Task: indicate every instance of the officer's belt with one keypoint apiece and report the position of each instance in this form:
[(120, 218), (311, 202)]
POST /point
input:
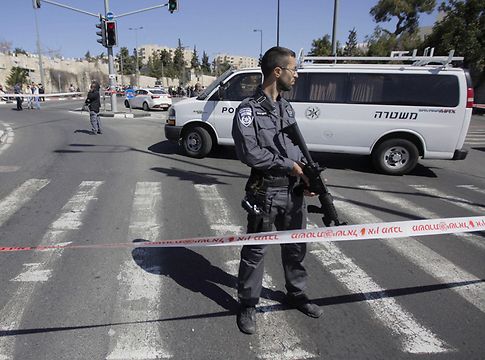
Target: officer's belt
[(276, 182)]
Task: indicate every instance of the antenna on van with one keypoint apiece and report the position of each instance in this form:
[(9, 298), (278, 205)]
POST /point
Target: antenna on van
[(301, 57), (310, 61)]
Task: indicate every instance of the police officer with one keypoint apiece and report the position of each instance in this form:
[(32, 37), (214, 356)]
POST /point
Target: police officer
[(276, 168)]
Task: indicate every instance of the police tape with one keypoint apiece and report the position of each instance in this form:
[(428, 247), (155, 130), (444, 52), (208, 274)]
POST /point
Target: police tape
[(376, 231), (64, 96)]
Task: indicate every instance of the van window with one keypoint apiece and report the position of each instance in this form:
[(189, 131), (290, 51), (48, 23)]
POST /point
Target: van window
[(242, 86), (297, 92), (328, 88), (404, 89)]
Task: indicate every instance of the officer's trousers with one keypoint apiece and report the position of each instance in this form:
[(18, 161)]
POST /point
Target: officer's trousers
[(287, 212)]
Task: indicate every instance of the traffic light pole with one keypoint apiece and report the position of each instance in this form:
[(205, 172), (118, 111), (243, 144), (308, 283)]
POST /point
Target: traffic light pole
[(111, 68)]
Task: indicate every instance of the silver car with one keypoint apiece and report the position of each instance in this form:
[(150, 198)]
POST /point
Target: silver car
[(149, 99)]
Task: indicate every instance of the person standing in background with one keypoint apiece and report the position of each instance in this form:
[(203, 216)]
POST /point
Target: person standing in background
[(93, 101)]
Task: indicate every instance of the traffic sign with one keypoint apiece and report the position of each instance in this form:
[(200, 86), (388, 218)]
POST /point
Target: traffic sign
[(130, 94), (110, 16)]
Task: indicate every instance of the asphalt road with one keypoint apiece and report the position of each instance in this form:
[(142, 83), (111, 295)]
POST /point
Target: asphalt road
[(402, 298)]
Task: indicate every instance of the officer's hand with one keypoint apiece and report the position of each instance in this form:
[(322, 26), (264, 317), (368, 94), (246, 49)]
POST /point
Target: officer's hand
[(298, 172)]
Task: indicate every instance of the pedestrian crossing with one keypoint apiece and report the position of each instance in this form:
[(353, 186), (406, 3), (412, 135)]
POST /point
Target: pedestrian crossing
[(137, 334), (475, 136)]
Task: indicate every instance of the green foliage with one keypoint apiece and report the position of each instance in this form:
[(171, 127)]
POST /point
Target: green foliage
[(194, 62), (406, 11), (463, 29), (351, 48), (17, 75), (205, 66), (382, 42), (178, 59), (321, 47)]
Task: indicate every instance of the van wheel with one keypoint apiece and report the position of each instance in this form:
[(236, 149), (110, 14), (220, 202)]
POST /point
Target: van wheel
[(395, 157), (145, 106), (127, 104), (197, 142)]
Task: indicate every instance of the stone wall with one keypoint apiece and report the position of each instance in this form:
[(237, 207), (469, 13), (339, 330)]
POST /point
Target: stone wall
[(60, 74)]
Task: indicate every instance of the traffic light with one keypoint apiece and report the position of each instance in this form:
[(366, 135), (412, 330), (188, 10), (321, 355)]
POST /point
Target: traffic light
[(111, 35), (173, 5), (101, 26)]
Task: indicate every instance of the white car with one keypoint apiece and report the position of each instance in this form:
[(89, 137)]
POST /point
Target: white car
[(149, 99)]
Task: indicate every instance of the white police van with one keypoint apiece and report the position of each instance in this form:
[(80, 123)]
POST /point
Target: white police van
[(395, 113)]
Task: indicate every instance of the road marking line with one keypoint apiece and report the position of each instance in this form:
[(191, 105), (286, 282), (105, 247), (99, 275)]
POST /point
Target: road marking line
[(19, 197), (141, 340), (12, 312), (429, 261), (414, 337), (465, 204), (274, 324), (216, 211), (418, 211)]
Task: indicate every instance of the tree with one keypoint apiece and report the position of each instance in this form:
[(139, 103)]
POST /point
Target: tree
[(462, 30), (206, 66), (194, 62), (406, 11), (321, 47), (382, 42), (5, 46), (351, 48), (20, 51), (17, 75), (178, 59)]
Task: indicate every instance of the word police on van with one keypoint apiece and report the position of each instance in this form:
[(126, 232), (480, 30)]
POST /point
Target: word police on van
[(396, 113)]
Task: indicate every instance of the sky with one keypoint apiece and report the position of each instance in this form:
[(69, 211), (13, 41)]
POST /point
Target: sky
[(211, 26)]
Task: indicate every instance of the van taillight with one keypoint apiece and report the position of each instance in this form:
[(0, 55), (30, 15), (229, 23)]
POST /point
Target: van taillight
[(469, 98)]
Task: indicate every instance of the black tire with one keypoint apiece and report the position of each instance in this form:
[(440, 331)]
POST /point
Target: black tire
[(395, 157), (127, 104), (145, 106), (197, 142)]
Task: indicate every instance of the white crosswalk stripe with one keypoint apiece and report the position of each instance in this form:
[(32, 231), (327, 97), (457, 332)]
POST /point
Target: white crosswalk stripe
[(463, 203), (414, 337), (428, 260), (19, 197), (69, 220), (273, 325), (475, 137), (419, 211), (139, 338), (137, 334)]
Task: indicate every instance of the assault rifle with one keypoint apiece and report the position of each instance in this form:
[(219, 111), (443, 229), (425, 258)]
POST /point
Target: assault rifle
[(317, 184)]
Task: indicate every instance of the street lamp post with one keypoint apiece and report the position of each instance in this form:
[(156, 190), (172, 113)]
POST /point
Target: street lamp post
[(261, 49), (136, 42), (334, 32)]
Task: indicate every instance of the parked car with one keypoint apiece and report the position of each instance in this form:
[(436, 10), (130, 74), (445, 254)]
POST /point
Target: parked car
[(149, 99)]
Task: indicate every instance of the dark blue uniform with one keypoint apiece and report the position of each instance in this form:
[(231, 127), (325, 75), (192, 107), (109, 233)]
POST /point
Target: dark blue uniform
[(261, 145)]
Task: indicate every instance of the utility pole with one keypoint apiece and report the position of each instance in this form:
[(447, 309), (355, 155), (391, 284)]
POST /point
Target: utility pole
[(334, 33), (41, 68), (136, 48), (278, 26)]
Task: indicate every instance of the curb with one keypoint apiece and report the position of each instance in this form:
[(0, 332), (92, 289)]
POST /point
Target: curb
[(124, 115)]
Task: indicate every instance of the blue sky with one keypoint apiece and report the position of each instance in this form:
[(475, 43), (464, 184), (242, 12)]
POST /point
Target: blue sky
[(213, 26)]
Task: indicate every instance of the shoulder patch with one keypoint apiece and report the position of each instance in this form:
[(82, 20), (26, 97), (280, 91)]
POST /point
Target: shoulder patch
[(245, 116)]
